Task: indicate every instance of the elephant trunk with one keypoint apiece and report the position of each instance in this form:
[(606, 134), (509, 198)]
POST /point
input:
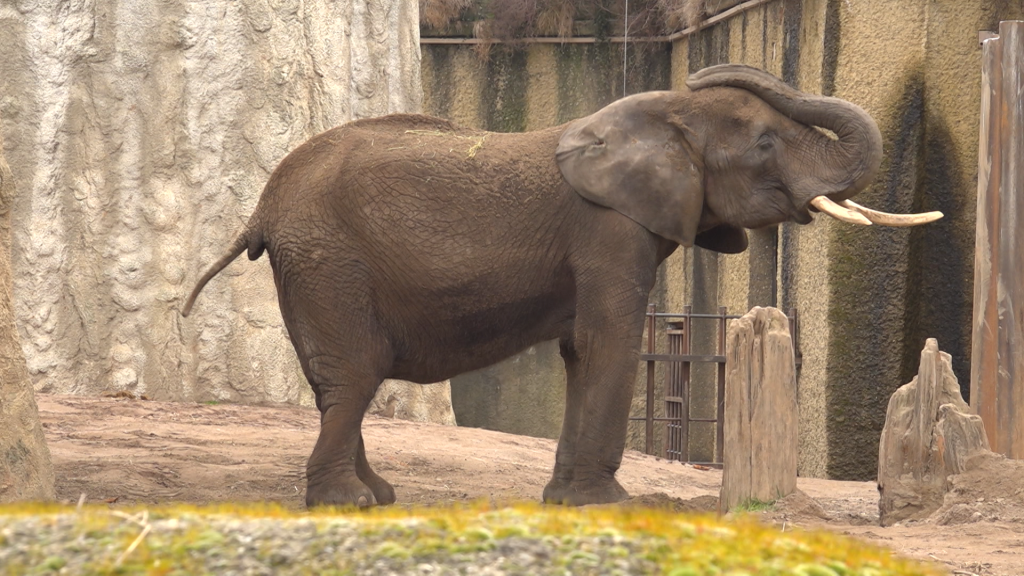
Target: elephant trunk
[(850, 162)]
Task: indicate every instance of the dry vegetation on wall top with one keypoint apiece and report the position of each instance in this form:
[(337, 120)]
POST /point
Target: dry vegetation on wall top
[(510, 19)]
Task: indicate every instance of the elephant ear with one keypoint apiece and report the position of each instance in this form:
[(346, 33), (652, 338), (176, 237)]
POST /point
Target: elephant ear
[(630, 161), (723, 238)]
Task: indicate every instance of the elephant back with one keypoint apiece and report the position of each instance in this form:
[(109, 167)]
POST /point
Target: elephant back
[(406, 173), (399, 122)]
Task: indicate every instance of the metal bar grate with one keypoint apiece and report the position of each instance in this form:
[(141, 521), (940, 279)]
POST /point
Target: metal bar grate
[(678, 382)]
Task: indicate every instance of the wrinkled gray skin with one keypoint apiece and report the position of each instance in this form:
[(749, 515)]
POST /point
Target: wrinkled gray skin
[(404, 247)]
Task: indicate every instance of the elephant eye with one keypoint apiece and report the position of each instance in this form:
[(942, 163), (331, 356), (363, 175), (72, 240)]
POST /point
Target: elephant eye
[(765, 142), (598, 142)]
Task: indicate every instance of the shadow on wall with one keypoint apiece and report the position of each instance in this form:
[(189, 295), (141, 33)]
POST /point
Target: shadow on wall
[(918, 287), (940, 301)]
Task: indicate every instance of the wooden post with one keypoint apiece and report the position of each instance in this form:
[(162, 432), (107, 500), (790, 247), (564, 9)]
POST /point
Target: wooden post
[(760, 410), (928, 436), (997, 356)]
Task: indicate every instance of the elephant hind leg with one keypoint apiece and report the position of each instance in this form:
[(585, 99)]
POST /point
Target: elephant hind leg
[(382, 490), (344, 355), (338, 473)]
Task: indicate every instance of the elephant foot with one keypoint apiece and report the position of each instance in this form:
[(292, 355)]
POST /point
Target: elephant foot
[(340, 491), (583, 493), (382, 490)]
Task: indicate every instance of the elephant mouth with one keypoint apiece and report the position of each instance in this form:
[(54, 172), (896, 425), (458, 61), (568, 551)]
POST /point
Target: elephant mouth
[(853, 213)]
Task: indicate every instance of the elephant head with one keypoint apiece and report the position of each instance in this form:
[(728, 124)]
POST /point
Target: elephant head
[(740, 149)]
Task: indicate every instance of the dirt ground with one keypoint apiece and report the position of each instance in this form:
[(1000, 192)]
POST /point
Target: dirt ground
[(124, 451)]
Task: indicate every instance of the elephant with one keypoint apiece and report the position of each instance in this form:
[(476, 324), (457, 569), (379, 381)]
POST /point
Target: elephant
[(407, 247)]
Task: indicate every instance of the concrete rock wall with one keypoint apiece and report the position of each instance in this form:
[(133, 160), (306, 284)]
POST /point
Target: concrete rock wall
[(26, 472), (415, 402), (141, 134)]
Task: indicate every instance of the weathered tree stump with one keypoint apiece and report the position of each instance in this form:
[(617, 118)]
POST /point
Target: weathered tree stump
[(25, 469), (929, 435), (760, 446)]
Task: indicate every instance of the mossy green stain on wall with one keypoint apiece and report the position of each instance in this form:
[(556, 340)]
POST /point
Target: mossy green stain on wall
[(708, 47), (440, 89), (830, 52), (578, 67), (791, 42), (524, 395), (940, 277), (869, 287), (591, 76), (894, 288), (648, 67), (504, 99)]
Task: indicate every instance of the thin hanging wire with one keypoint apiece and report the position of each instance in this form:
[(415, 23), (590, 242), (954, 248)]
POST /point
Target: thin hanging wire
[(625, 48)]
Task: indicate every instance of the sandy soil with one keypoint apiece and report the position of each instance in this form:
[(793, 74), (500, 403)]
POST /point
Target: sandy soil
[(125, 451)]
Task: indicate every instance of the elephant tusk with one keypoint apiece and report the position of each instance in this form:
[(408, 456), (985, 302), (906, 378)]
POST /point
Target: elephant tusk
[(887, 219), (838, 212)]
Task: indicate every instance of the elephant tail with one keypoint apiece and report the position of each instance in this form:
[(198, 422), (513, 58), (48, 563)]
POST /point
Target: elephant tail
[(240, 245)]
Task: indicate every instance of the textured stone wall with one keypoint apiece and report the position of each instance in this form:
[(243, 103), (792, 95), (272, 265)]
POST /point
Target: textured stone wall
[(26, 472), (141, 134)]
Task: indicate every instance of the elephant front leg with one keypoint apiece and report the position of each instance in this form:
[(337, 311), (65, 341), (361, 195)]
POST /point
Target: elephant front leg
[(601, 363)]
